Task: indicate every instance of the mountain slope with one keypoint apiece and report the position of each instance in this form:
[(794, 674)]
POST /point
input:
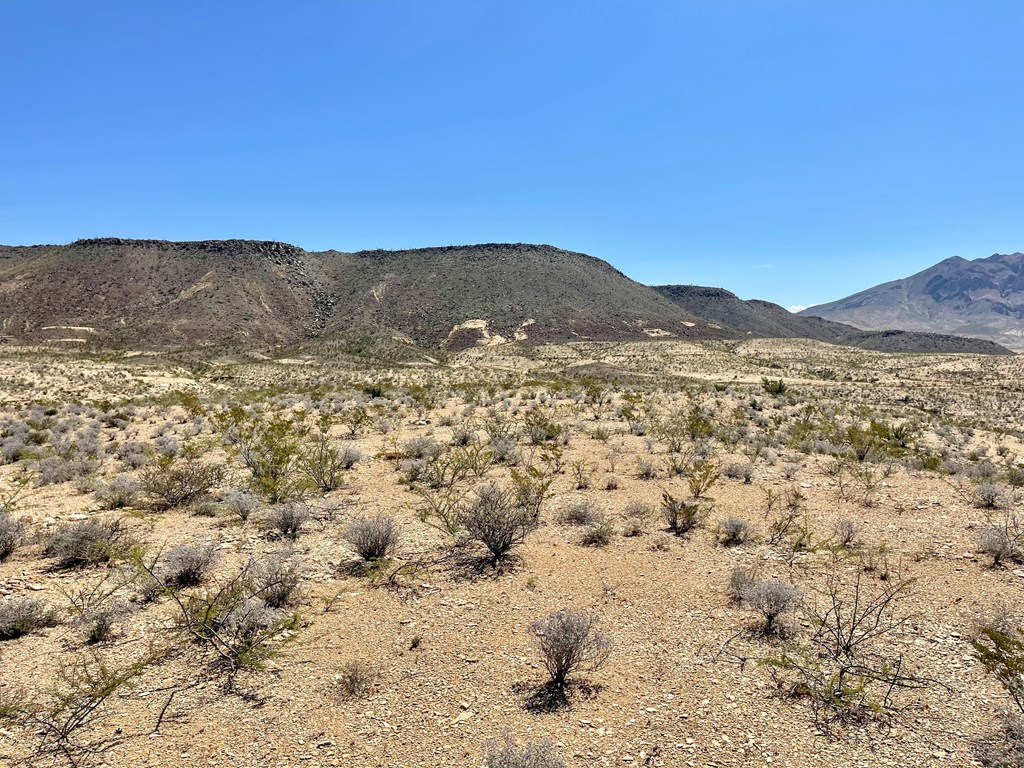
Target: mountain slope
[(983, 298), (461, 295), (753, 317), (150, 293)]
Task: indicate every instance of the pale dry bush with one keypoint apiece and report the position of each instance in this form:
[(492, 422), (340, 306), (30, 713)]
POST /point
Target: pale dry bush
[(570, 641), (373, 538)]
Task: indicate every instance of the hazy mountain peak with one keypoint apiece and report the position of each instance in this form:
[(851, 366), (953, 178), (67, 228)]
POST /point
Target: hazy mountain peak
[(983, 298)]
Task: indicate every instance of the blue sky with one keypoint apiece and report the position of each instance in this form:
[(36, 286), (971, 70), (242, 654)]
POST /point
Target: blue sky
[(793, 150)]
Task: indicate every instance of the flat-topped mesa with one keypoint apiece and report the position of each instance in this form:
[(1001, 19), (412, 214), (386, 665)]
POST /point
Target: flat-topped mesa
[(493, 252)]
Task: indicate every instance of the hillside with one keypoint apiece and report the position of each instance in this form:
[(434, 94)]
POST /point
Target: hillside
[(152, 293), (982, 298), (458, 296)]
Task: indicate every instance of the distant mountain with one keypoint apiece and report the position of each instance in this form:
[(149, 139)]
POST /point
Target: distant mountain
[(242, 294), (983, 298), (753, 317)]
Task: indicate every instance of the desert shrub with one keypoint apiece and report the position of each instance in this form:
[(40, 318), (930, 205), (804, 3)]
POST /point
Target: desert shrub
[(188, 565), (122, 491), (420, 448), (1000, 649), (1006, 748), (744, 472), (774, 387), (176, 482), (373, 538), (288, 519), (633, 526), (645, 469), (682, 515), (271, 449), (599, 533), (501, 428), (579, 512), (994, 542), (239, 627), (274, 580), (988, 496), (701, 474), (69, 703), (411, 469), (570, 641), (243, 631), (983, 470), (851, 667), (348, 457), (733, 531), (581, 472), (12, 534), (22, 615), (1015, 476), (540, 429), (504, 450), (846, 532), (86, 542), (463, 435), (241, 503), (54, 470), (98, 621), (1001, 652), (134, 453), (204, 508), (638, 509), (535, 754), (498, 519), (356, 679), (324, 464), (167, 446), (636, 516), (740, 580), (771, 598)]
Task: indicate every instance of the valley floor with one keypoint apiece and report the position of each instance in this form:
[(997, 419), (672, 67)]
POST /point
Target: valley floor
[(912, 456)]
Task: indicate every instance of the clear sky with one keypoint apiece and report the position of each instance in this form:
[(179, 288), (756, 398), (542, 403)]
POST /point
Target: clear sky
[(793, 150)]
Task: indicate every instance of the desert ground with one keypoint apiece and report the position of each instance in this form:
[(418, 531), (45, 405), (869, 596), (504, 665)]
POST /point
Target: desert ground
[(776, 553)]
